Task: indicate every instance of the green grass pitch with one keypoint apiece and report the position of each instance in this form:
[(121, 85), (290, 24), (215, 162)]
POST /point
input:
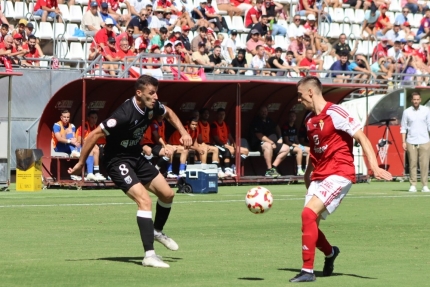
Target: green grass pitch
[(90, 238)]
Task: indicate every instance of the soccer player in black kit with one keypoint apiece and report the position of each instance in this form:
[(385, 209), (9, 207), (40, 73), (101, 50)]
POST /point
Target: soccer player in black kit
[(129, 170)]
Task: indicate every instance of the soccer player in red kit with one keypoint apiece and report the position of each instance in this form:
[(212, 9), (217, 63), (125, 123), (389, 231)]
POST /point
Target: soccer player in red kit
[(331, 131)]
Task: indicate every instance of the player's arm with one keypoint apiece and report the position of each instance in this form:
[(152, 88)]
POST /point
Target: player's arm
[(90, 142), (176, 123), (378, 172)]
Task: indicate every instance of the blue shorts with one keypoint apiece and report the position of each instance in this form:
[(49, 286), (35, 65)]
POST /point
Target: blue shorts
[(67, 148), (40, 12)]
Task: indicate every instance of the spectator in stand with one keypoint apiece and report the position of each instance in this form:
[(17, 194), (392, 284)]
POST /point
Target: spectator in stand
[(409, 49), (124, 50), (255, 41), (199, 14), (253, 15), (381, 49), (127, 34), (152, 60), (396, 57), (307, 7), (113, 11), (226, 5), (136, 6), (216, 19), (183, 54), (139, 22), (340, 67), (407, 29), (261, 27), (395, 34), (230, 46), (201, 58), (290, 134), (361, 65), (92, 162), (298, 47), (382, 68), (185, 30), (239, 62), (103, 34), (211, 38), (341, 46), (369, 24), (411, 5), (64, 136), (159, 39), (274, 11), (8, 53), (259, 62), (17, 42), (216, 61), (201, 37), (110, 54), (21, 29), (91, 21), (143, 39), (168, 50), (185, 17), (266, 137), (310, 27), (309, 62), (424, 29), (268, 47), (290, 61), (5, 30), (104, 14), (155, 22), (47, 8), (224, 141), (295, 28), (168, 21), (243, 5), (403, 17), (275, 62), (383, 23)]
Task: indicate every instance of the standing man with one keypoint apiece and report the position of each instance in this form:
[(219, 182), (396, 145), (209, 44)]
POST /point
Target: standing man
[(129, 170), (329, 177), (416, 123)]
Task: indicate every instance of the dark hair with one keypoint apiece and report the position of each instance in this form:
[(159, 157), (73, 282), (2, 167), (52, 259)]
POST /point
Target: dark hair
[(203, 110), (193, 119), (31, 36), (220, 110), (5, 26), (290, 53), (415, 94), (258, 47), (163, 30), (217, 46), (144, 81), (311, 80), (65, 112), (203, 29), (130, 27), (343, 53), (264, 16), (241, 51), (278, 49), (149, 5), (91, 112), (259, 1), (269, 38), (146, 31)]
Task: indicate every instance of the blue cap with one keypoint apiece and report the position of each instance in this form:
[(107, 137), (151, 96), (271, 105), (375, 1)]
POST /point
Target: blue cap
[(105, 5), (94, 4), (403, 40)]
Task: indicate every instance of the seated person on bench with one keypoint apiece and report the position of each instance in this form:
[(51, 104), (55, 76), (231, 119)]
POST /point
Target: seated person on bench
[(93, 170), (64, 136), (261, 130), (290, 134), (224, 142)]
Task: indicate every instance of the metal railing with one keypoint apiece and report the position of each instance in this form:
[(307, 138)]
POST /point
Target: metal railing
[(28, 130)]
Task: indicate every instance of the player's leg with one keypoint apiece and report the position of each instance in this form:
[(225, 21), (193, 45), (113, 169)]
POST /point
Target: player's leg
[(281, 152), (165, 156), (90, 164), (165, 195), (267, 150), (413, 158), (97, 174), (299, 156), (424, 165), (228, 155)]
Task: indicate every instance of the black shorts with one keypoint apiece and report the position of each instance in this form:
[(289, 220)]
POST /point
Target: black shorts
[(155, 148), (126, 172)]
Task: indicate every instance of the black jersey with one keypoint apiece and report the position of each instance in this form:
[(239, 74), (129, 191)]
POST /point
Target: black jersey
[(266, 127), (290, 132), (125, 127)]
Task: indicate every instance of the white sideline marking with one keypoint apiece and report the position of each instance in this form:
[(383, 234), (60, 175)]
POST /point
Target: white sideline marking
[(199, 201)]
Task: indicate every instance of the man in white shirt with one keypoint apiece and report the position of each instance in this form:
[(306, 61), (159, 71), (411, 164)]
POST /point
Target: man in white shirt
[(395, 34), (259, 62), (415, 129), (396, 56), (91, 21), (295, 28), (138, 5), (229, 48)]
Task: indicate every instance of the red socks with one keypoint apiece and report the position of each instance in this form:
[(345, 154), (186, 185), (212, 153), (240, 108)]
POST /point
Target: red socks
[(323, 245), (309, 237)]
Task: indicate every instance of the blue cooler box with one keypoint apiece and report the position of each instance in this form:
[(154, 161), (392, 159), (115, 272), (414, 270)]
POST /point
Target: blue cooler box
[(203, 178)]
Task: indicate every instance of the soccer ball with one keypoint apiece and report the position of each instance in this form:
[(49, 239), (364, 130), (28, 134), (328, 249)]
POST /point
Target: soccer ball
[(259, 200)]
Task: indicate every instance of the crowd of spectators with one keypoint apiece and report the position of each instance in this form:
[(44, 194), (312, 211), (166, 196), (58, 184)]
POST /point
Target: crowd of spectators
[(163, 26)]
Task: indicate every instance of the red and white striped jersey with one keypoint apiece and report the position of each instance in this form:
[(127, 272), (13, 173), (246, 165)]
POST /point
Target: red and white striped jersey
[(330, 141)]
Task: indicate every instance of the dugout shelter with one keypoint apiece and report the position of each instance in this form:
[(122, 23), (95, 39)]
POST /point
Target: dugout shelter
[(241, 100)]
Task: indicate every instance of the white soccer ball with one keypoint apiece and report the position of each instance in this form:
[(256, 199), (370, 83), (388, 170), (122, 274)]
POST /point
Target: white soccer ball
[(259, 200)]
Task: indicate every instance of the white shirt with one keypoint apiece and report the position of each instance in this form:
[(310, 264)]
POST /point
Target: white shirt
[(391, 35), (258, 63), (293, 30), (139, 4), (228, 43), (416, 122), (396, 55), (154, 22)]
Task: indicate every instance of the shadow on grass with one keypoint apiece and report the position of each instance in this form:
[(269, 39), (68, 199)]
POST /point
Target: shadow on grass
[(320, 274), (133, 260), (251, 278)]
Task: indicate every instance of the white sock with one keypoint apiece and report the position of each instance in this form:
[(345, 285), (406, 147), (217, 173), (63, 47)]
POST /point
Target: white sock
[(308, 270), (299, 167), (149, 253)]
